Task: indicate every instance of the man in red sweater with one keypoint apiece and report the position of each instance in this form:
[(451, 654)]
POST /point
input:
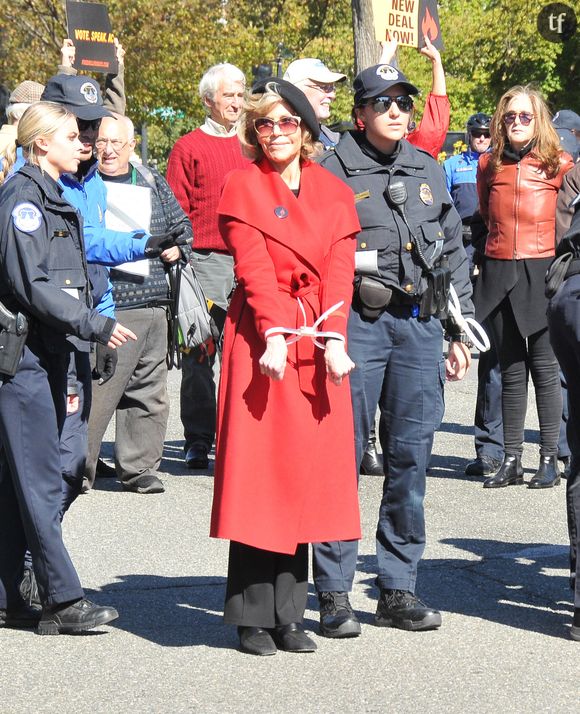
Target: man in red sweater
[(197, 167)]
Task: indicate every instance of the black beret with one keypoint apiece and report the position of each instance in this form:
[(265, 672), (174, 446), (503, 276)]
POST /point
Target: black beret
[(295, 98)]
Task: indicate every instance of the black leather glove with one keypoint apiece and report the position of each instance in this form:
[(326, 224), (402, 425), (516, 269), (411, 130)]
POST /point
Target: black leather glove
[(160, 242), (106, 363)]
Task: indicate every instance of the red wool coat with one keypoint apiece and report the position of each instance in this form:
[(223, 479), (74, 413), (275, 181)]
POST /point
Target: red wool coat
[(285, 467)]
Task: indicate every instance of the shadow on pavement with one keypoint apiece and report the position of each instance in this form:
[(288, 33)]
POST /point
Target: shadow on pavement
[(171, 612), (513, 584)]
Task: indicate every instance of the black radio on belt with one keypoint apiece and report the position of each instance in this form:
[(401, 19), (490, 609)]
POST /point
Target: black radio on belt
[(13, 333)]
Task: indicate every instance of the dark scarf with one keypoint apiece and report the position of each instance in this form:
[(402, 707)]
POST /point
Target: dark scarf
[(510, 153)]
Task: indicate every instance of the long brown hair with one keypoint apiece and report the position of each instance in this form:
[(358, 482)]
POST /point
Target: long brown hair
[(546, 141)]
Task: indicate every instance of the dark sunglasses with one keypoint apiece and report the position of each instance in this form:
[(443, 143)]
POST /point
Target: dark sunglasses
[(383, 104), (524, 117), (478, 133), (85, 124), (264, 126)]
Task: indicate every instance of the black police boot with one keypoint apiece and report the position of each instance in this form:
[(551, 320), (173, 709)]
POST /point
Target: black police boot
[(372, 463), (510, 473), (482, 466), (20, 617), (197, 457), (337, 618), (404, 610), (71, 618), (547, 474)]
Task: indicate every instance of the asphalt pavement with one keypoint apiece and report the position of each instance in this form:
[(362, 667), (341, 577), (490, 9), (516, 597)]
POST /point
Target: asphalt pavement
[(495, 565)]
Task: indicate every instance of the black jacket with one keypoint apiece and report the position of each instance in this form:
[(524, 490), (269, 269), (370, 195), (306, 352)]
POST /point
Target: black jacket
[(383, 246), (43, 271)]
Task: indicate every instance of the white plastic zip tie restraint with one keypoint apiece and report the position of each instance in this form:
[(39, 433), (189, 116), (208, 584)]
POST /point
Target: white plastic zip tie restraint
[(471, 327), (305, 330)]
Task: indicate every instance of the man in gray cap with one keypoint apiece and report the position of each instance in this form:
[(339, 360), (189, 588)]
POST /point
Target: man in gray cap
[(318, 83)]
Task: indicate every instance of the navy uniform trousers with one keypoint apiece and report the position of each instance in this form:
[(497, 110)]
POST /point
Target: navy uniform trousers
[(564, 325), (32, 410), (400, 368)]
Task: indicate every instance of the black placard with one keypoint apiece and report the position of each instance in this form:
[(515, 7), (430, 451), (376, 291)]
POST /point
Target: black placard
[(89, 28)]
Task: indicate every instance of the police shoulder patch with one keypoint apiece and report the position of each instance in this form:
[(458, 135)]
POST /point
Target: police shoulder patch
[(27, 217)]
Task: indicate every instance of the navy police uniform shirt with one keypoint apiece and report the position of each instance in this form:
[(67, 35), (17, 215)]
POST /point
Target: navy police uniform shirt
[(384, 247), (43, 271)]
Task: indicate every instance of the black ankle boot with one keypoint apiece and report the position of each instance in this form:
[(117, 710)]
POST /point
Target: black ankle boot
[(510, 473), (547, 474)]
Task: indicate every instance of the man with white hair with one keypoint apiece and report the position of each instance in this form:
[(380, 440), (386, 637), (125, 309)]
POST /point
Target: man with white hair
[(197, 167), (137, 388)]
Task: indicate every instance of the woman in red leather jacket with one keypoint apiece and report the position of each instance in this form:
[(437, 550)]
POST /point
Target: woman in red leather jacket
[(518, 184)]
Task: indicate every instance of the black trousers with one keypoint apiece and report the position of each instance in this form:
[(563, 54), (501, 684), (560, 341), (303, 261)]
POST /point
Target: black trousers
[(265, 589), (518, 357), (564, 322)]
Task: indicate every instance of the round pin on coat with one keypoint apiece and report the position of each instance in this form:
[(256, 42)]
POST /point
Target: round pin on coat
[(281, 212)]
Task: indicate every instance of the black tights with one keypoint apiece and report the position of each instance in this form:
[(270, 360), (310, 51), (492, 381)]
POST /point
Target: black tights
[(518, 357)]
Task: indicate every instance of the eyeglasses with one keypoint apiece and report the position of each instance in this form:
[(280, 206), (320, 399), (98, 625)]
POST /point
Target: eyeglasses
[(116, 144), (478, 133), (381, 105), (324, 88), (85, 124), (264, 126), (524, 117)]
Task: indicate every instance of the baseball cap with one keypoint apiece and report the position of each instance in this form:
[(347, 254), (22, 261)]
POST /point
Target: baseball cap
[(375, 80), (310, 68), (81, 95), (26, 92), (566, 119)]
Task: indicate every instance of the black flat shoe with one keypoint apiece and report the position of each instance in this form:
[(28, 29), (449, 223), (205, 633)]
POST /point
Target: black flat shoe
[(547, 474), (256, 641), (510, 473), (293, 638)]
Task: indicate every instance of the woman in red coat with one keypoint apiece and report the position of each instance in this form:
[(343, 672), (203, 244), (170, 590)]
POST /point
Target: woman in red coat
[(285, 466)]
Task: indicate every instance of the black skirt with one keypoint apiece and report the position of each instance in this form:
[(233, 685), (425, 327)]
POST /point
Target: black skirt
[(522, 282)]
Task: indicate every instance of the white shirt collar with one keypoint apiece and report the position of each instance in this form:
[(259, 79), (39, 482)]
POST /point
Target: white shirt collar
[(214, 128)]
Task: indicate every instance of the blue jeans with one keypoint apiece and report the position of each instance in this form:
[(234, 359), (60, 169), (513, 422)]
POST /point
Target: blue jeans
[(400, 368)]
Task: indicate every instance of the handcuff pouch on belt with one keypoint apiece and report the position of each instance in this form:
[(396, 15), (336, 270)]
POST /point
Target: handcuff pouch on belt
[(373, 296), (13, 333), (436, 296)]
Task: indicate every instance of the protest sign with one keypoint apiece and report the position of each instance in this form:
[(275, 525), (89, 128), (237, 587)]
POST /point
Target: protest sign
[(408, 21), (89, 28)]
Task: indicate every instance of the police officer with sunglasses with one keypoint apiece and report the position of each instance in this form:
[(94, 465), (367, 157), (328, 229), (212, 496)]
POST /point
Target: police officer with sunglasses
[(409, 248)]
